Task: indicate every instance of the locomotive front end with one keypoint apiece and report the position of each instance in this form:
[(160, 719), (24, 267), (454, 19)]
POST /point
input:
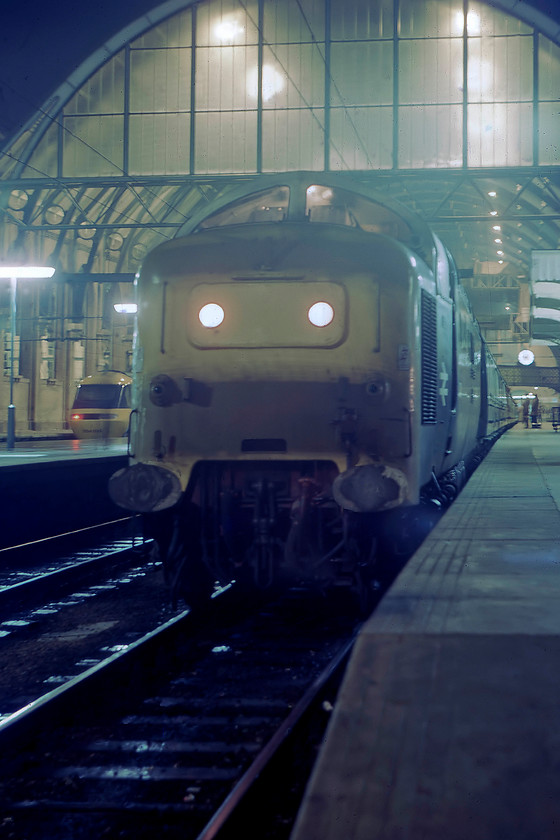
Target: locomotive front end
[(272, 367)]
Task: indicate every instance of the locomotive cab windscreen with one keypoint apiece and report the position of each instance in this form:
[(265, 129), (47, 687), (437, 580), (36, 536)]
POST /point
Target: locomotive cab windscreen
[(302, 201), (263, 206), (102, 395)]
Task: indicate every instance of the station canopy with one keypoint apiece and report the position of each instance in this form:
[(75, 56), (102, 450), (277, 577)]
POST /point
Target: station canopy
[(450, 107)]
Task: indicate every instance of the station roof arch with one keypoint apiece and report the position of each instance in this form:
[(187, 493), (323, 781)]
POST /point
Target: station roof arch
[(450, 106)]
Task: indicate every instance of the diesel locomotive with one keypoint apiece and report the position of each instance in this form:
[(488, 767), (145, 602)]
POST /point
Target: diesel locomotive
[(309, 382)]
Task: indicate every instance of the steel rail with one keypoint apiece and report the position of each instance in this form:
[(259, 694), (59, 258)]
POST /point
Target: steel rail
[(48, 583), (284, 732), (82, 690)]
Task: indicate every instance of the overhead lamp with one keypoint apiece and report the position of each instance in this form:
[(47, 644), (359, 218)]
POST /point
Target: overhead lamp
[(492, 193), (227, 31), (26, 272), (498, 241), (473, 23), (496, 227), (126, 308), (500, 253), (493, 212), (526, 357), (15, 273), (272, 82)]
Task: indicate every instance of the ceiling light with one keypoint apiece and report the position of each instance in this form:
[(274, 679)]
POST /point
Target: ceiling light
[(500, 253), (496, 227), (493, 212), (125, 308), (272, 82), (498, 241), (473, 23), (492, 193), (228, 31), (26, 272), (526, 357)]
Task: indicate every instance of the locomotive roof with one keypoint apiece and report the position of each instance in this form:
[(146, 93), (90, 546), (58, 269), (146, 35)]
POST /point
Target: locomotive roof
[(112, 377), (335, 198)]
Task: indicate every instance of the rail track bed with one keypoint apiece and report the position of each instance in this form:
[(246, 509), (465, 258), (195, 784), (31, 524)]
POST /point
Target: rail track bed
[(70, 606), (154, 742)]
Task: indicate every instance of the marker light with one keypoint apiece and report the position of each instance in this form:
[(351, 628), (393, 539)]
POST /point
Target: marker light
[(320, 314), (211, 315)]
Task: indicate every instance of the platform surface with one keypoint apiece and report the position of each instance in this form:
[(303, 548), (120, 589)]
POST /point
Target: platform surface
[(447, 725), (39, 451)]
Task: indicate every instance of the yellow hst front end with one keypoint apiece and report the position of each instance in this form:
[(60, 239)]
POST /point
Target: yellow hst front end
[(101, 407)]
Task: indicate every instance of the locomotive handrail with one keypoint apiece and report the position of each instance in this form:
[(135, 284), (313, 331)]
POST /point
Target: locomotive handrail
[(128, 434), (410, 436)]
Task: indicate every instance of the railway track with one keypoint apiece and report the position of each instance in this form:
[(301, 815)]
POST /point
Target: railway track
[(172, 737), (66, 603), (38, 570)]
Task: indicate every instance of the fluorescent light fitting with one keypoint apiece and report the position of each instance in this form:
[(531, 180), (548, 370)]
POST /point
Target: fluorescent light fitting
[(23, 272), (125, 308)]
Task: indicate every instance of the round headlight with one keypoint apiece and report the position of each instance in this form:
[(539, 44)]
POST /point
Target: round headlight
[(211, 315), (320, 314)]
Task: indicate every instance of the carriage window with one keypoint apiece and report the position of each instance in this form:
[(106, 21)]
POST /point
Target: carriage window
[(266, 206)]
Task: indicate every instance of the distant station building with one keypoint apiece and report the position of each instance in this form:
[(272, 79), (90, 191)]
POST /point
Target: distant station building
[(450, 106)]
